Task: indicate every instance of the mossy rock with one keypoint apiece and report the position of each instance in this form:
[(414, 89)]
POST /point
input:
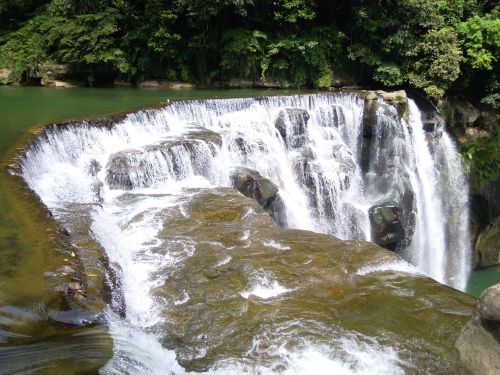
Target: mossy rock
[(331, 290)]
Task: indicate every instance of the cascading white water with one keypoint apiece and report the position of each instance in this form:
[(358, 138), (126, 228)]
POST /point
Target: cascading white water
[(317, 167), (429, 245), (311, 146)]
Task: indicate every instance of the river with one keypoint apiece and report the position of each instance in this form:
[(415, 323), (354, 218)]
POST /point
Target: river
[(24, 248)]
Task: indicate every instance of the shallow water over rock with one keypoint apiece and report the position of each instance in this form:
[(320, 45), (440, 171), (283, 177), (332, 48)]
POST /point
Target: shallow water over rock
[(250, 288), (201, 276)]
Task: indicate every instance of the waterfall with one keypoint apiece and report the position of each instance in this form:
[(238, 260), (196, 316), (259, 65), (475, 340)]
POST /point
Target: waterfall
[(311, 146), (331, 177)]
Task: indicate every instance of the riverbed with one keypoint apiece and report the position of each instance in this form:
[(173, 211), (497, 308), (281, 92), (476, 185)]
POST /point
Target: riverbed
[(23, 245)]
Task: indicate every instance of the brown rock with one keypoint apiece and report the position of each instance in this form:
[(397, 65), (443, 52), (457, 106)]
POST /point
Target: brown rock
[(479, 342)]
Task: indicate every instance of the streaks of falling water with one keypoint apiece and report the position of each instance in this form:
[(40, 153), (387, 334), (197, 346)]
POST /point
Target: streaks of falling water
[(318, 171), (313, 154)]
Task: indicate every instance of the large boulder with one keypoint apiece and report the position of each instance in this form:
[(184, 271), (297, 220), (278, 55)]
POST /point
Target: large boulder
[(393, 222), (292, 125), (460, 114), (58, 75), (252, 184), (487, 247), (479, 342), (399, 100), (247, 281), (169, 159), (386, 226)]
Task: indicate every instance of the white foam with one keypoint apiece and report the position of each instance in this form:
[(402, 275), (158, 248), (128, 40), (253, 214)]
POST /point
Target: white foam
[(129, 223), (399, 266), (183, 300), (263, 286), (275, 245)]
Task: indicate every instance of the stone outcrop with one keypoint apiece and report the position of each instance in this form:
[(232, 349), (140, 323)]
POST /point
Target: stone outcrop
[(58, 75), (398, 99), (471, 125), (165, 84), (393, 222), (59, 84), (328, 287), (387, 228), (168, 159), (460, 113), (479, 342), (252, 184), (5, 75)]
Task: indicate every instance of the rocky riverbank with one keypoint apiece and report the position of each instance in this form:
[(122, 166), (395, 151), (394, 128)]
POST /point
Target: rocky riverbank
[(326, 280)]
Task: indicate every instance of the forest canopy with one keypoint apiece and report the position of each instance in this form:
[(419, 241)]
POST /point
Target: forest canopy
[(435, 46)]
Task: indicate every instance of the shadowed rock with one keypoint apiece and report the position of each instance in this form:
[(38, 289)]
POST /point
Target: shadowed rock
[(487, 249), (252, 184), (77, 316), (393, 222)]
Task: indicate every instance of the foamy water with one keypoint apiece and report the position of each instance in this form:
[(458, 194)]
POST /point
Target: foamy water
[(321, 183)]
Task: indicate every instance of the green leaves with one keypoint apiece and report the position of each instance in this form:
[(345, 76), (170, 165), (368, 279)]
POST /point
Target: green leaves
[(388, 74), (481, 37), (438, 64), (242, 52), (303, 60), (482, 157), (293, 11), (432, 45)]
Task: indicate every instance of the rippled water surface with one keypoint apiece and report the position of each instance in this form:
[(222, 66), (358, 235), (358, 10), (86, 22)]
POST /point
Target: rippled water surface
[(25, 249)]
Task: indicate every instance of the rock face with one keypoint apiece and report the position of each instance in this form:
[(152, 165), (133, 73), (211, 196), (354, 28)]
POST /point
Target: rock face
[(57, 75), (473, 126), (249, 281), (460, 113), (387, 229), (161, 83), (393, 222), (487, 248), (291, 124), (479, 342), (252, 184), (170, 159)]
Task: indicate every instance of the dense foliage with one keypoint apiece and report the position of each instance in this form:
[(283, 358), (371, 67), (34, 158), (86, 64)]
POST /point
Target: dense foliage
[(436, 46), (482, 156)]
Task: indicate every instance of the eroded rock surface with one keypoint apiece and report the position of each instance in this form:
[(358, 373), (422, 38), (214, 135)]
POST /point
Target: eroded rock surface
[(169, 159), (398, 99), (479, 342), (252, 184), (238, 280), (487, 249)]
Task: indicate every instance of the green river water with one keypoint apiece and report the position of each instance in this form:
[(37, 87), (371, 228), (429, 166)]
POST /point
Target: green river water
[(24, 254), (27, 248)]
